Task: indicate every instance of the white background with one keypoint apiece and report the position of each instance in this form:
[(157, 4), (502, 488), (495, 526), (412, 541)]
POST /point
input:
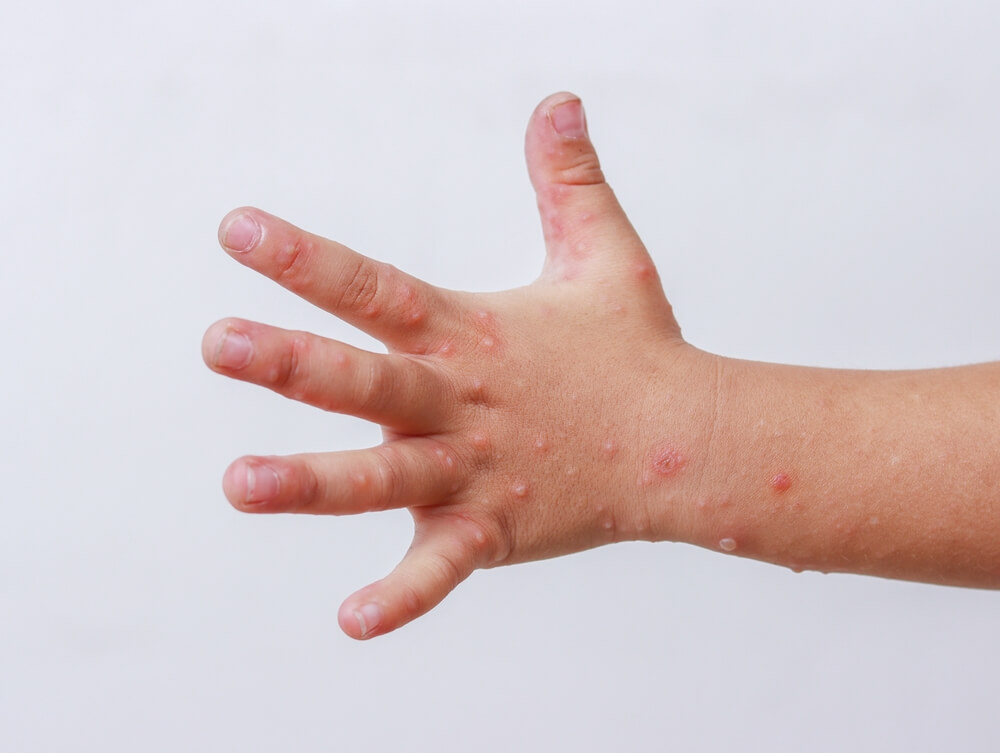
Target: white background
[(818, 183)]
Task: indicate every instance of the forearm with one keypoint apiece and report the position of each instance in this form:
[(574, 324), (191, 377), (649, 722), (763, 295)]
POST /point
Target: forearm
[(886, 473)]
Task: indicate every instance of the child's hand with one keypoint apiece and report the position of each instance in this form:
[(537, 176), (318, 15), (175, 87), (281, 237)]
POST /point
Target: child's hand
[(518, 425), (571, 413)]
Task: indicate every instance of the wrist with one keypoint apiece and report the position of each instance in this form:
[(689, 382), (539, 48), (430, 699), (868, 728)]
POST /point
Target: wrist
[(679, 436)]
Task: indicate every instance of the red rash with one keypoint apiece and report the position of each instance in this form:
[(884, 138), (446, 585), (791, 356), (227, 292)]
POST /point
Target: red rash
[(667, 461), (781, 482)]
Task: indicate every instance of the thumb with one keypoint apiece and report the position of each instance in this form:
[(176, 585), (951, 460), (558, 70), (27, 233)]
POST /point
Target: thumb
[(583, 224)]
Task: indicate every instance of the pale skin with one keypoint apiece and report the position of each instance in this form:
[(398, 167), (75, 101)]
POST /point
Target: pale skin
[(571, 413)]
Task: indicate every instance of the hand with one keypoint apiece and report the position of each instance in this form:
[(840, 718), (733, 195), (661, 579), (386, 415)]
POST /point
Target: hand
[(518, 425)]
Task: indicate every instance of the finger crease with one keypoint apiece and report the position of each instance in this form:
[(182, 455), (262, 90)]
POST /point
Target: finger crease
[(362, 288), (292, 259)]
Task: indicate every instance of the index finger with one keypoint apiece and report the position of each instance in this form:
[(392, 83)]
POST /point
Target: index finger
[(400, 310)]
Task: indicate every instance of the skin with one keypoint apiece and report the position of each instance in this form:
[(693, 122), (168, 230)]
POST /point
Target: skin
[(571, 413)]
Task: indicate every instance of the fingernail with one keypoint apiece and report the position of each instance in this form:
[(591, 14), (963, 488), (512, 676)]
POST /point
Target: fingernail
[(369, 617), (569, 120), (262, 483), (241, 234), (234, 350)]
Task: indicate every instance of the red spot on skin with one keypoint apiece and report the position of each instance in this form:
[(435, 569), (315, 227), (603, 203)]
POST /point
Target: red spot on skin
[(541, 445), (644, 271), (557, 193), (781, 482), (413, 311), (665, 461), (556, 229), (360, 481), (480, 441), (610, 448)]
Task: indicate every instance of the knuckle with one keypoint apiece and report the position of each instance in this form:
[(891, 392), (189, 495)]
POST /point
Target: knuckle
[(360, 288), (415, 602), (445, 569), (389, 477), (411, 304), (449, 465), (486, 541), (311, 488), (287, 376), (581, 168), (378, 386)]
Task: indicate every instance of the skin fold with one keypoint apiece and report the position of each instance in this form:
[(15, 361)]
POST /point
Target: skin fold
[(571, 413)]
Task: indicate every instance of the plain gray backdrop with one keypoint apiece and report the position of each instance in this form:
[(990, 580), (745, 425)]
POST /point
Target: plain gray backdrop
[(818, 184)]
